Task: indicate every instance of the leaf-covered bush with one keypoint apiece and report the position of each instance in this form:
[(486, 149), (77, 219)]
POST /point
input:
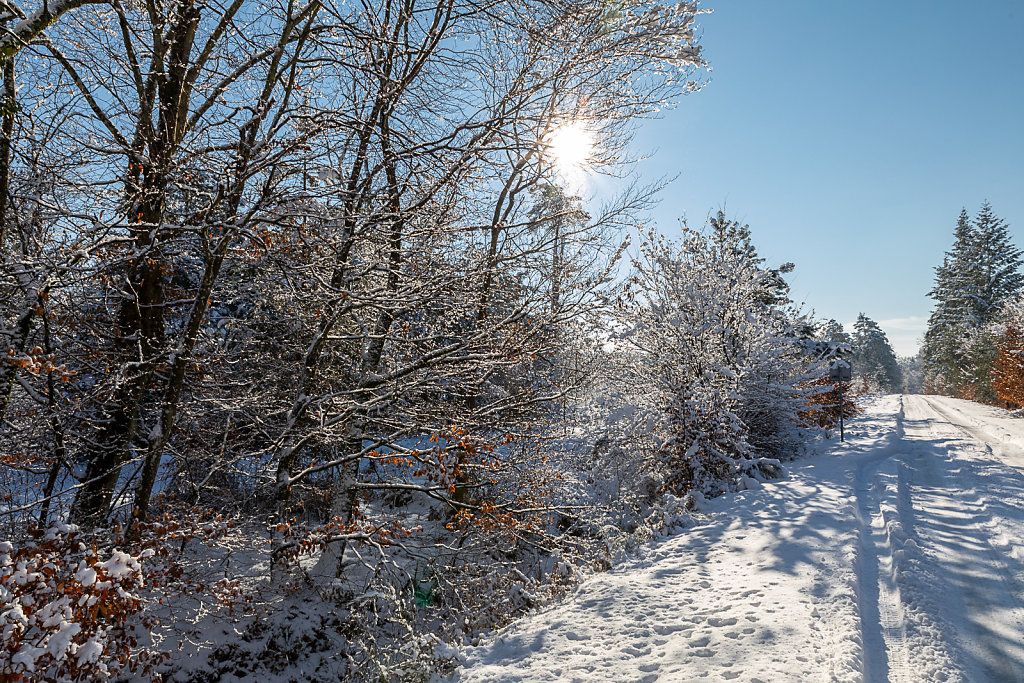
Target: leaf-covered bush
[(66, 610)]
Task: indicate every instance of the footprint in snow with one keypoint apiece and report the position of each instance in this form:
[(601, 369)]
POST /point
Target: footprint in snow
[(722, 621)]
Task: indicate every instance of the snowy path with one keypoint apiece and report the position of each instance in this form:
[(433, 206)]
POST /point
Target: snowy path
[(896, 556)]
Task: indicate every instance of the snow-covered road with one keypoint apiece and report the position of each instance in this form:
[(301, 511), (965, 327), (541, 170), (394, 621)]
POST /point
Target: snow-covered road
[(898, 556)]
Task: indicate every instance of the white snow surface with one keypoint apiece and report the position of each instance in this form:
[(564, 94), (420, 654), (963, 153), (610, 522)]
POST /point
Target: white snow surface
[(896, 556)]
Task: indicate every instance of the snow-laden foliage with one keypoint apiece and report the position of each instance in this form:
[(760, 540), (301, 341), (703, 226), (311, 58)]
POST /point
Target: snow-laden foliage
[(66, 610), (714, 358)]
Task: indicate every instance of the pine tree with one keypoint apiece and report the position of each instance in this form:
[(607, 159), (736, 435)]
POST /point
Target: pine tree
[(953, 281), (717, 358), (833, 331), (733, 241), (978, 275), (874, 360), (998, 277)]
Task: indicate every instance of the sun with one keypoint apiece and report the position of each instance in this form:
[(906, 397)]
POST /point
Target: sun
[(571, 147)]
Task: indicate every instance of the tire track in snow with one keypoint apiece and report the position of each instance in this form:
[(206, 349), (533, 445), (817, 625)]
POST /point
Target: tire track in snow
[(1005, 446), (882, 621), (979, 594), (904, 635)]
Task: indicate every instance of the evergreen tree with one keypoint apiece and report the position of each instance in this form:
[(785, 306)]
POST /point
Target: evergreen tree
[(558, 218), (874, 360), (997, 275), (833, 331), (732, 239), (979, 274), (998, 279), (943, 353)]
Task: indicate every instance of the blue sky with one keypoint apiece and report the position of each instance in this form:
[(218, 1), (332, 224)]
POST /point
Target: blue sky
[(849, 135)]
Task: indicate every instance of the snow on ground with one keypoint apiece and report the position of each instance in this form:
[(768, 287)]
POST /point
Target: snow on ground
[(895, 556)]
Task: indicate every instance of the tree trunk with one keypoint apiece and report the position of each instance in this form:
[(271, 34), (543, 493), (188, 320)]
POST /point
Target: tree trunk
[(59, 449), (140, 338), (176, 383), (10, 106)]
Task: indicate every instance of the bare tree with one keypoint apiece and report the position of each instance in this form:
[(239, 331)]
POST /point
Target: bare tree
[(308, 262)]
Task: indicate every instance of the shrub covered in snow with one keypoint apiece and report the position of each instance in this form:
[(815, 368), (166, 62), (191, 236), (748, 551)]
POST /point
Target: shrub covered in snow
[(709, 346), (66, 610)]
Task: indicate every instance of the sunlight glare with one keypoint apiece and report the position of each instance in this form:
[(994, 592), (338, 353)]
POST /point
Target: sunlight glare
[(571, 146)]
